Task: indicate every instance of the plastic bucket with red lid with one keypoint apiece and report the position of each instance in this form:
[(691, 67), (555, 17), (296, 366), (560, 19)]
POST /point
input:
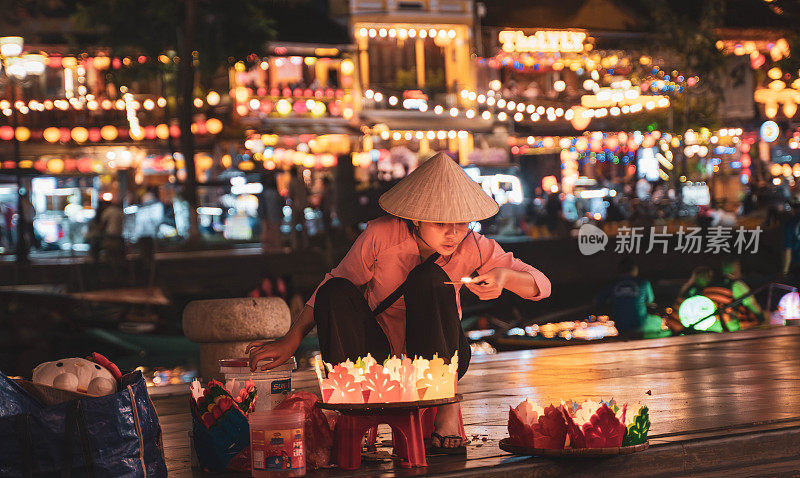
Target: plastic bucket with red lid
[(273, 385)]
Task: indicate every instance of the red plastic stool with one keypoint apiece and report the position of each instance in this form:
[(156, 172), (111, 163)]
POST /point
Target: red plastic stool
[(428, 417), (406, 422)]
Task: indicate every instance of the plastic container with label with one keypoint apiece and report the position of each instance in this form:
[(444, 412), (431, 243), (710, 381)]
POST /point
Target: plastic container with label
[(277, 444), (272, 385)]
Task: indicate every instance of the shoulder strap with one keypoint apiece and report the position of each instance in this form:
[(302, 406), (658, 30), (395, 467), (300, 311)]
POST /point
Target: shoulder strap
[(392, 298)]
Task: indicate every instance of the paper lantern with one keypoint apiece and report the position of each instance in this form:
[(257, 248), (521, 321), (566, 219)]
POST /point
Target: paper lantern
[(380, 387), (771, 110), (397, 380), (530, 425), (175, 131), (51, 135), (247, 166), (214, 126), (109, 133), (695, 308), (80, 134), (26, 164), (55, 166), (580, 121), (150, 132), (637, 425), (203, 161), (788, 308), (136, 134), (595, 425), (22, 133), (212, 98), (267, 106), (283, 106), (162, 131), (94, 135), (102, 62), (347, 67), (300, 107), (85, 165)]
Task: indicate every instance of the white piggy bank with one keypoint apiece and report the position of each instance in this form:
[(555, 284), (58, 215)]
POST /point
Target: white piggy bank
[(76, 375)]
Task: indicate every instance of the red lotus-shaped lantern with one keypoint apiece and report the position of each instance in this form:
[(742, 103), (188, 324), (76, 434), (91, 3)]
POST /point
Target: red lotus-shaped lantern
[(530, 425), (595, 425)]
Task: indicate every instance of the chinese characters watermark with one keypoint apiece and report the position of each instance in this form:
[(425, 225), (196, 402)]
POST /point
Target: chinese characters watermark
[(687, 240)]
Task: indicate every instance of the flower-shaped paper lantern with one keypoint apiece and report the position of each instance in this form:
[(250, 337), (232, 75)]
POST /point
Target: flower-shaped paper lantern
[(530, 425), (636, 426), (406, 380), (365, 363), (392, 366), (437, 382), (343, 387), (380, 386), (595, 425)]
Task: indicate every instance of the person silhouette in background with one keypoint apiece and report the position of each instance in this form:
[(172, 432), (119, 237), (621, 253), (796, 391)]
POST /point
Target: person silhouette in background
[(629, 297), (298, 195)]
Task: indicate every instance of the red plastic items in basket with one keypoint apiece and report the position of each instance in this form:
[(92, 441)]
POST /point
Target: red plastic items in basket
[(316, 430)]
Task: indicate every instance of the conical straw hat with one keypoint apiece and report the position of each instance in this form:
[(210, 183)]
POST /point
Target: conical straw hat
[(438, 191)]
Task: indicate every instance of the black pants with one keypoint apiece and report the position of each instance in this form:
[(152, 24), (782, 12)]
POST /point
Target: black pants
[(348, 329)]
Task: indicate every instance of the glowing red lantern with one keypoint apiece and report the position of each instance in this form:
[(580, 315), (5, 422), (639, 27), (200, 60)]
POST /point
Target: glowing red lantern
[(85, 165), (94, 135), (6, 133)]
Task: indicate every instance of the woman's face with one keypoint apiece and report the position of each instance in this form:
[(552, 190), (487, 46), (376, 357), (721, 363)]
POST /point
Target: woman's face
[(443, 237)]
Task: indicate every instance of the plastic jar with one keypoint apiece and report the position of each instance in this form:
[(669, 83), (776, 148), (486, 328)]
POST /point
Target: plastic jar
[(277, 444), (272, 385)]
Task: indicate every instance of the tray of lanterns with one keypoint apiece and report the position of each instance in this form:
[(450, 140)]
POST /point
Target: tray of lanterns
[(398, 383), (577, 429)]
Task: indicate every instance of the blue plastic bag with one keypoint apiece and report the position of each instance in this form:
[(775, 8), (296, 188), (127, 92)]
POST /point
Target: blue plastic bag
[(113, 435), (218, 445)]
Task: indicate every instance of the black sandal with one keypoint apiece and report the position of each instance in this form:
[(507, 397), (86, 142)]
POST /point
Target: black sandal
[(442, 450)]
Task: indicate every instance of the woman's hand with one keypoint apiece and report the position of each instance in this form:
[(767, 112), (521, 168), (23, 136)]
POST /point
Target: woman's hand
[(490, 284), (277, 352)]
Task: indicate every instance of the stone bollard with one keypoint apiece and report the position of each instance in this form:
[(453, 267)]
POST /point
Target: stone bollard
[(224, 327)]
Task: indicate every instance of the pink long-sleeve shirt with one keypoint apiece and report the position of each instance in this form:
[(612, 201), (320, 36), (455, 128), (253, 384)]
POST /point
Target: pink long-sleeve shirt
[(385, 253)]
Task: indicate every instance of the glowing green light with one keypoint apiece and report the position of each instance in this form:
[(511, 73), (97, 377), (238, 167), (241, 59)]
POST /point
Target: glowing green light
[(695, 308)]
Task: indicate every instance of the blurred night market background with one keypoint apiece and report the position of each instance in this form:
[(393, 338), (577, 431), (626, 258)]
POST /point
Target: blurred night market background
[(156, 153)]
